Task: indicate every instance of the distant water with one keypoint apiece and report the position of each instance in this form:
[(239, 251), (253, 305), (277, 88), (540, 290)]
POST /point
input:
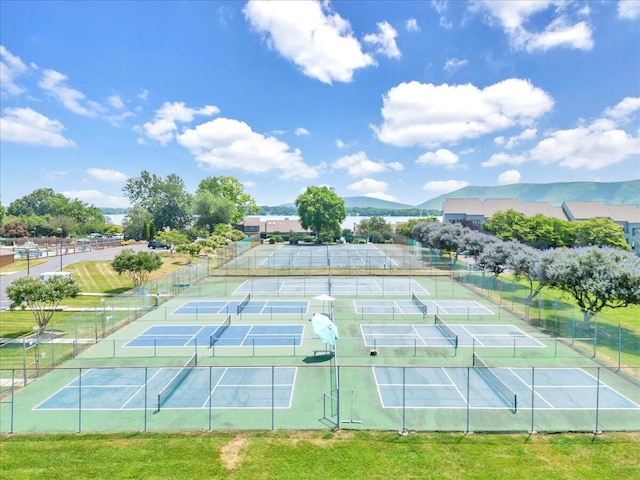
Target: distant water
[(349, 222)]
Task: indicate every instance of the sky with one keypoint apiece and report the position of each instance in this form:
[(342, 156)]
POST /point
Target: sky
[(397, 100)]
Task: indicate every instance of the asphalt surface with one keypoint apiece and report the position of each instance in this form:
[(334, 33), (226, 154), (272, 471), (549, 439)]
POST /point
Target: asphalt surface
[(53, 264)]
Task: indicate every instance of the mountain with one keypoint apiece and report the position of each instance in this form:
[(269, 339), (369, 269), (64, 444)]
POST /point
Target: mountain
[(613, 193), (369, 202)]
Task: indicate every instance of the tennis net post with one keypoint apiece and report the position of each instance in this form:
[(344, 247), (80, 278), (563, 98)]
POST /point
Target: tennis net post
[(446, 331)]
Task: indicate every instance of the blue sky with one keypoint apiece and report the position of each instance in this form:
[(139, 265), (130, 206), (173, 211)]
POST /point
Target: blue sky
[(397, 100)]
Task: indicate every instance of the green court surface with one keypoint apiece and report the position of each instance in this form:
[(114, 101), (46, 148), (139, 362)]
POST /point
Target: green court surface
[(239, 352)]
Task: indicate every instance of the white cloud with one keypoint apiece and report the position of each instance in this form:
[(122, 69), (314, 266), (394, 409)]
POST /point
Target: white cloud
[(144, 94), (439, 187), (441, 7), (99, 199), (526, 134), (11, 67), (499, 140), (310, 35), (440, 158), (301, 132), (225, 143), (115, 101), (629, 9), (509, 177), (418, 114), (249, 183), (359, 165), (593, 146), (24, 125), (369, 187), (504, 158), (106, 175), (517, 17), (164, 124), (340, 144), (625, 109), (385, 39), (454, 64), (412, 25), (53, 83)]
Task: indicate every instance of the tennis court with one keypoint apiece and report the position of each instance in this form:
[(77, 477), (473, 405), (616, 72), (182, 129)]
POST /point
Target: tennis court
[(157, 388), (421, 335), (412, 307), (342, 286), (337, 256), (496, 388), (264, 307), (227, 335)]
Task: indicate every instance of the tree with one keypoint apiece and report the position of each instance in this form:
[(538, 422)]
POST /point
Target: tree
[(603, 232), (190, 251), (321, 210), (14, 229), (530, 263), (172, 238), (495, 256), (137, 266), (166, 199), (41, 297), (406, 229), (211, 210), (375, 229), (136, 223), (3, 213), (596, 277), (230, 189)]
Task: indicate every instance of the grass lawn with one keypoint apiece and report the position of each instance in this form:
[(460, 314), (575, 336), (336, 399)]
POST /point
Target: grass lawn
[(341, 455), (96, 278)]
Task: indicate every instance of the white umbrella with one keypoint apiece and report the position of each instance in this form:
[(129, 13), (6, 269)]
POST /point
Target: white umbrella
[(324, 298), (324, 328)]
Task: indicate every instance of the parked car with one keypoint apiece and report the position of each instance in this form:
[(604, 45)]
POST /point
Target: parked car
[(153, 244)]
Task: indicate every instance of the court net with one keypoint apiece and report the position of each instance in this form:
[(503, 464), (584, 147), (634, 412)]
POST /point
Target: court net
[(507, 395), (419, 303), (176, 381), (215, 336), (243, 304), (446, 331)]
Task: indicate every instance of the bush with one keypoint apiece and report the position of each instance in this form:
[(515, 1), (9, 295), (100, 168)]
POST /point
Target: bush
[(309, 238)]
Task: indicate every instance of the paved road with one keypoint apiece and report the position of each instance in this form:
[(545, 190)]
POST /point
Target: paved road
[(53, 264)]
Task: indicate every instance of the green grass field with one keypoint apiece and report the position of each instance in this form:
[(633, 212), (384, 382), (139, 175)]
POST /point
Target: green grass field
[(298, 455)]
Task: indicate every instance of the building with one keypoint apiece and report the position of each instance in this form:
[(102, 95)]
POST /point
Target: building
[(627, 216), (478, 211), (257, 228)]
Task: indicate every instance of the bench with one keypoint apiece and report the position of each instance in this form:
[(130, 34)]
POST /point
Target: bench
[(323, 351)]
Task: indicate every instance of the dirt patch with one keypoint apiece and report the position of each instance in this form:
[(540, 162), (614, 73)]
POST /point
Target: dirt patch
[(231, 452)]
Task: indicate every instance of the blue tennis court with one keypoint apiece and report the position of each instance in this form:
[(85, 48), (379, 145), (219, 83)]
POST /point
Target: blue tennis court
[(409, 307), (421, 335), (555, 388), (267, 307), (232, 335), (137, 388)]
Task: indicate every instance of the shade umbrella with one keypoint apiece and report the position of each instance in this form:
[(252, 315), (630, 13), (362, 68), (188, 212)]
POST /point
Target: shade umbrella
[(324, 328), (326, 298)]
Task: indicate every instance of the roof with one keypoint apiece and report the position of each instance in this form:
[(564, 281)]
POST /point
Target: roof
[(487, 208), (618, 213)]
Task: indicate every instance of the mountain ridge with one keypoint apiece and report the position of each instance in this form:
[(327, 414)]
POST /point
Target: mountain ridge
[(609, 193)]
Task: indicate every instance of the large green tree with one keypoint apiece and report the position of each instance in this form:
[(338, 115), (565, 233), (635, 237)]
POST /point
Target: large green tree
[(211, 210), (166, 199), (41, 297), (136, 223), (603, 232), (375, 229), (321, 210), (232, 190), (137, 266)]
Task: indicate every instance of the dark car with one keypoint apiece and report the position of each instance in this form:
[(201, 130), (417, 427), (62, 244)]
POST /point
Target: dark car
[(153, 244)]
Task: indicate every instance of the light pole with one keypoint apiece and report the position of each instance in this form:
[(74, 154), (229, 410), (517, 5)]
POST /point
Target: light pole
[(59, 230)]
